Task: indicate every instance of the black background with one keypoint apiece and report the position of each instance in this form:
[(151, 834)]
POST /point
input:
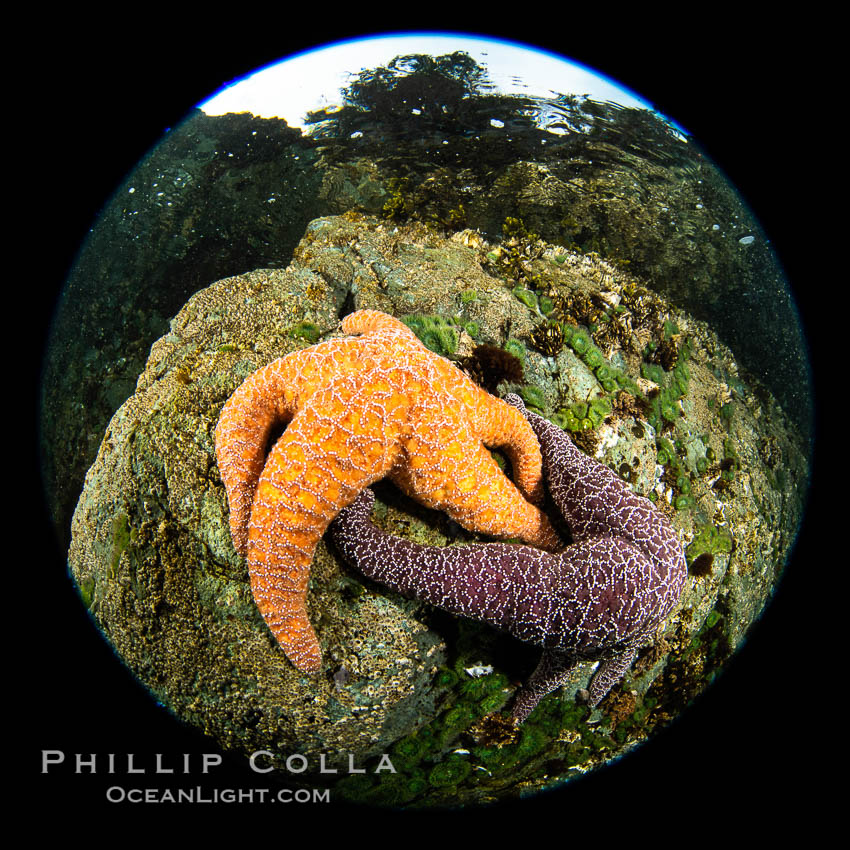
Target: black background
[(744, 753)]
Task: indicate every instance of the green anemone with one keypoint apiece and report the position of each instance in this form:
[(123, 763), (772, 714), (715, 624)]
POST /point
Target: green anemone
[(579, 341), (449, 772)]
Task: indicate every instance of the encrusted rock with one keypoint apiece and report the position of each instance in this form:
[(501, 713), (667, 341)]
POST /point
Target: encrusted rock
[(151, 549)]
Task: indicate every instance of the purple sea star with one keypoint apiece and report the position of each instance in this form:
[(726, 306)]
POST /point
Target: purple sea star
[(600, 598)]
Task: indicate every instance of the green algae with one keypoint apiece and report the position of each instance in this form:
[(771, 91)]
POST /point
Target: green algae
[(709, 540), (86, 587), (308, 331), (123, 535)]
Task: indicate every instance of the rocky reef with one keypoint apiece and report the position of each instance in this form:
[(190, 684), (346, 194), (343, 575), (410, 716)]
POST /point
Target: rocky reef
[(643, 387)]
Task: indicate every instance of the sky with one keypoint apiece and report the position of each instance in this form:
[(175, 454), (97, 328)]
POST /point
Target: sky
[(310, 81)]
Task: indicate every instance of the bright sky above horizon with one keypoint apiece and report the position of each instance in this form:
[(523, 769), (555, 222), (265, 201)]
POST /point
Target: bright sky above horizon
[(313, 80)]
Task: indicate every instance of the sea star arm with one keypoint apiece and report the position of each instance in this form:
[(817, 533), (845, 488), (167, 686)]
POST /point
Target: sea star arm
[(331, 450), (500, 426), (551, 672), (595, 501), (600, 597), (493, 583), (444, 466), (495, 423), (268, 399), (554, 670), (587, 601), (263, 400), (379, 403), (609, 672), (373, 321)]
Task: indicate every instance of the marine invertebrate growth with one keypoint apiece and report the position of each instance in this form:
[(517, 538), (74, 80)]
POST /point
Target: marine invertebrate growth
[(600, 598), (358, 409)]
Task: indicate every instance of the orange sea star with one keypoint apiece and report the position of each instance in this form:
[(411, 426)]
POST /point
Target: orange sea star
[(361, 408)]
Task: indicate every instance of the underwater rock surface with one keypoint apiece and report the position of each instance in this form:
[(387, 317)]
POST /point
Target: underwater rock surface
[(641, 386)]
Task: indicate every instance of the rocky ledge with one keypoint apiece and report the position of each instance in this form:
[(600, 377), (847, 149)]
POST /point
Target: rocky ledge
[(640, 385)]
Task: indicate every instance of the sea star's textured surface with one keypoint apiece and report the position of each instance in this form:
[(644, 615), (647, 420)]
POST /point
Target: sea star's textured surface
[(359, 409), (600, 598)]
